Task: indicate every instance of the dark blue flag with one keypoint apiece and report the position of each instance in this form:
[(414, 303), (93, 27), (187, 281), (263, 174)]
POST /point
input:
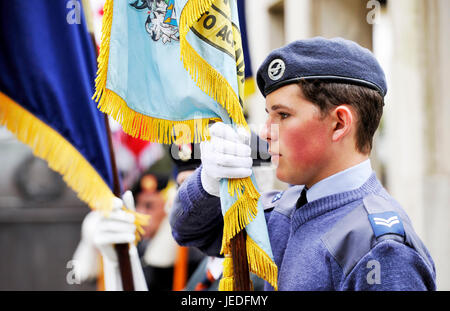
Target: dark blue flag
[(47, 72), (250, 86)]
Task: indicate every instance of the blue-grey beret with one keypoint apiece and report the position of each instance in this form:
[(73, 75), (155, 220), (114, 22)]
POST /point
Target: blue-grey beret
[(334, 60)]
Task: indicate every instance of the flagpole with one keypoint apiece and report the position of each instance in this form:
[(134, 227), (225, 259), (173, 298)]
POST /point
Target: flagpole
[(240, 262), (121, 249)]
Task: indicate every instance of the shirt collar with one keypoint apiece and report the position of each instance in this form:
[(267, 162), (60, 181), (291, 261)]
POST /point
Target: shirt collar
[(347, 180)]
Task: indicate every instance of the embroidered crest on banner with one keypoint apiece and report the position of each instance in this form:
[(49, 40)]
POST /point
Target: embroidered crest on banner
[(161, 23)]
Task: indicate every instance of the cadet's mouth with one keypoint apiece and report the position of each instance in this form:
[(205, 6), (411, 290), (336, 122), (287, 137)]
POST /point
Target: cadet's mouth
[(274, 154)]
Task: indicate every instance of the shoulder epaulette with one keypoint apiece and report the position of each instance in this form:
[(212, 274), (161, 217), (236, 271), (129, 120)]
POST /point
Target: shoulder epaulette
[(383, 217), (370, 223)]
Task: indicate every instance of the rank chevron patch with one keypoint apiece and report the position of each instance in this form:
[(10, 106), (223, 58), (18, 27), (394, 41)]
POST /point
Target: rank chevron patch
[(386, 223)]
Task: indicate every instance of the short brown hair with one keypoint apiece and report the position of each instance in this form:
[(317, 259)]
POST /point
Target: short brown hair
[(367, 103)]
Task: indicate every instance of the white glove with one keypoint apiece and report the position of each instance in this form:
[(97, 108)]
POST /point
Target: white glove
[(116, 229), (226, 155), (85, 258)]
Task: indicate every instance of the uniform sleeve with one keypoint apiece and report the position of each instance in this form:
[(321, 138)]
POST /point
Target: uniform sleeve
[(196, 217), (390, 266)]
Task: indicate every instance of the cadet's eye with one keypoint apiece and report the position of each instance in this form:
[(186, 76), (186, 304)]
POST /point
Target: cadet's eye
[(283, 115)]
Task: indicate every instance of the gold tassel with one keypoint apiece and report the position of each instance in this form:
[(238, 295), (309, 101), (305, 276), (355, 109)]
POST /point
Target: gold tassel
[(227, 281), (140, 221), (226, 284)]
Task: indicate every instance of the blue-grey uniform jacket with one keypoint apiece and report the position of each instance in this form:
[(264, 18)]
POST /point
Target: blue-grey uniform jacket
[(355, 240)]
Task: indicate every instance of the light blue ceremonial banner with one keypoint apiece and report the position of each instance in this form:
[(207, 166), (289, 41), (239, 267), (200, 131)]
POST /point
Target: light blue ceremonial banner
[(145, 69)]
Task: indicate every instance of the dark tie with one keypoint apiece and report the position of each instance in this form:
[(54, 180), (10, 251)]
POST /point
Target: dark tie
[(302, 200)]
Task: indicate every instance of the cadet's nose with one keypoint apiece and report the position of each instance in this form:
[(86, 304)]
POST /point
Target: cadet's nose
[(264, 133)]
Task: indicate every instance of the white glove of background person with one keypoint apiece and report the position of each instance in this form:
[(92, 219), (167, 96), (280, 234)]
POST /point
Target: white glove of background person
[(226, 155), (85, 258), (119, 228)]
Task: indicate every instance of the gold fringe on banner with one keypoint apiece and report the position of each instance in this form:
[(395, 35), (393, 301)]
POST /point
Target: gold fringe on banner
[(206, 77), (103, 56), (62, 157), (153, 129), (261, 264), (134, 123), (211, 82), (242, 212), (191, 13)]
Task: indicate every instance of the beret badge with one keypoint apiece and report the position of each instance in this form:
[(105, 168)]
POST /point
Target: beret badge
[(276, 69)]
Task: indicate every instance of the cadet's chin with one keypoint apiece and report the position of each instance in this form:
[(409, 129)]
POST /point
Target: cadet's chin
[(288, 175), (282, 176), (280, 172)]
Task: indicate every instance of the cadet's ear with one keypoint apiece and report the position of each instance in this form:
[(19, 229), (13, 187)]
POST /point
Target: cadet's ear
[(342, 117)]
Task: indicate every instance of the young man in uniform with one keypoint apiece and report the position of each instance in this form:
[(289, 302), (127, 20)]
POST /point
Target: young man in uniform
[(336, 227)]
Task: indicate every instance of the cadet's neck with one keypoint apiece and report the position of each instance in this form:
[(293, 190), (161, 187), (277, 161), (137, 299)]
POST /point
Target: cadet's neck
[(338, 164)]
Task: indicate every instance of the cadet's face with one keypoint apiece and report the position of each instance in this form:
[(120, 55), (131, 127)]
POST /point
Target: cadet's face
[(298, 137)]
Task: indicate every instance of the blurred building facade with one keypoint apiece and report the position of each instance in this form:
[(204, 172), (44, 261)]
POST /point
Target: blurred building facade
[(410, 38), (40, 220)]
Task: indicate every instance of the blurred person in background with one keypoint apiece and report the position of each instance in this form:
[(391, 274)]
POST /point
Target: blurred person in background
[(157, 251)]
